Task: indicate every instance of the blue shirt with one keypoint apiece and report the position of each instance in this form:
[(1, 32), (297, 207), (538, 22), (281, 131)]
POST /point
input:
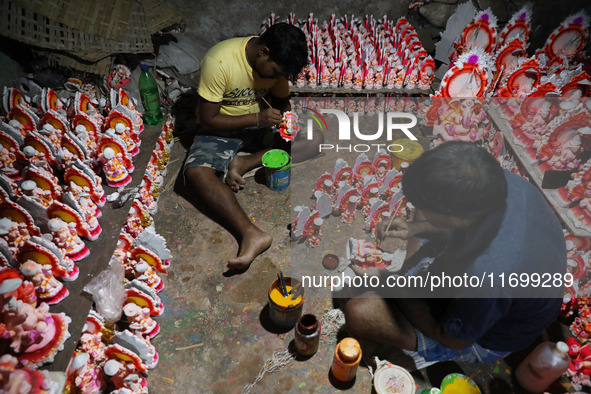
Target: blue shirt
[(524, 237)]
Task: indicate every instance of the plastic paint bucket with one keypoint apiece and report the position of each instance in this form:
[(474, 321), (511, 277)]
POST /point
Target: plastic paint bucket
[(410, 151), (393, 379), (277, 165), (284, 311), (456, 383)]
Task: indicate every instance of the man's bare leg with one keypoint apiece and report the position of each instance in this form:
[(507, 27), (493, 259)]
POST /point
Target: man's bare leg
[(371, 317), (240, 165), (219, 198), (300, 151)]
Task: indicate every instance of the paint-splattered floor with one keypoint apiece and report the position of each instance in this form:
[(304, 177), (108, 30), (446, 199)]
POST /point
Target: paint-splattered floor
[(215, 334)]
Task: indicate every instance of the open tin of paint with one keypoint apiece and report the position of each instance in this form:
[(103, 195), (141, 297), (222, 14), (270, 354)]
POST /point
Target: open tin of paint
[(277, 165), (285, 311), (390, 379)]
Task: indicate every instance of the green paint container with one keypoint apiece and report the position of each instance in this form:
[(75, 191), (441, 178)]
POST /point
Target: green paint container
[(277, 165)]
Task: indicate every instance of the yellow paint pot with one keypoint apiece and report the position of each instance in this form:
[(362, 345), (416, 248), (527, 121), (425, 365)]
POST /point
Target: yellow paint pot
[(456, 383), (284, 311)]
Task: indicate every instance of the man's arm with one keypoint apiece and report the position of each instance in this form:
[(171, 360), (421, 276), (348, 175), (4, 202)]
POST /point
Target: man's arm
[(212, 120), (400, 228), (424, 229), (418, 312)]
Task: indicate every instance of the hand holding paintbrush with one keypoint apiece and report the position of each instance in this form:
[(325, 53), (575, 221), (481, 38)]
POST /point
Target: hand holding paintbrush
[(380, 232), (268, 117), (396, 227)]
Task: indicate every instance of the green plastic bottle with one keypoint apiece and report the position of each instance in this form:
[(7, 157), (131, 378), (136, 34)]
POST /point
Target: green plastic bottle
[(150, 96)]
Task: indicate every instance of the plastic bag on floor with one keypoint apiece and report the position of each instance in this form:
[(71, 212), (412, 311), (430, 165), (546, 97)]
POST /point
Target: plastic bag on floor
[(108, 292)]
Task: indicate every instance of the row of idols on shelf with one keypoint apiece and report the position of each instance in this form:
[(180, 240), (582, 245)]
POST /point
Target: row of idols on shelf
[(43, 211), (575, 309), (544, 99), (486, 63), (366, 54), (38, 247), (103, 138), (555, 135), (553, 132), (114, 351)]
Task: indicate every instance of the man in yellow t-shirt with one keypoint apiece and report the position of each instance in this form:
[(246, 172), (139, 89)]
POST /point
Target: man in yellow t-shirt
[(235, 75)]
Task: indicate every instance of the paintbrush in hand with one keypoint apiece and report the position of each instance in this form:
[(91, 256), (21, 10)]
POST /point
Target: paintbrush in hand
[(266, 102), (379, 241)]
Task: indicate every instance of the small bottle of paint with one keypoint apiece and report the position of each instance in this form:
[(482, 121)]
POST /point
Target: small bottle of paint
[(347, 356), (307, 335)]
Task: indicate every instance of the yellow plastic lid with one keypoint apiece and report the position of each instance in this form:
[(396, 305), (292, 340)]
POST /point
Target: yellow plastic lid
[(411, 150)]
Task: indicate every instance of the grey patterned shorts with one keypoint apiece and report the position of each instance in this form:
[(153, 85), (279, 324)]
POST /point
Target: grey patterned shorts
[(218, 152), (432, 350)]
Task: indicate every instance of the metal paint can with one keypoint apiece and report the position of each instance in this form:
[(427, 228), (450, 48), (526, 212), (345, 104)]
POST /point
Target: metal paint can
[(284, 311), (277, 165), (307, 335)]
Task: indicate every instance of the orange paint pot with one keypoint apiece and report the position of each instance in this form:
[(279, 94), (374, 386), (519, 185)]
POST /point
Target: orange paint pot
[(347, 355), (285, 311)]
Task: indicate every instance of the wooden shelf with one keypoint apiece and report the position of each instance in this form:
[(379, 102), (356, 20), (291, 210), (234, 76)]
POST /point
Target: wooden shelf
[(78, 303), (362, 92), (533, 170)]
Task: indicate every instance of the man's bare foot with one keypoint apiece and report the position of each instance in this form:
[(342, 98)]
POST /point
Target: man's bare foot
[(237, 168), (251, 246)]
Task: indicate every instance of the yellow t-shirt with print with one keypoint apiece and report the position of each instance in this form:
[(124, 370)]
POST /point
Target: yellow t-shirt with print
[(227, 77)]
